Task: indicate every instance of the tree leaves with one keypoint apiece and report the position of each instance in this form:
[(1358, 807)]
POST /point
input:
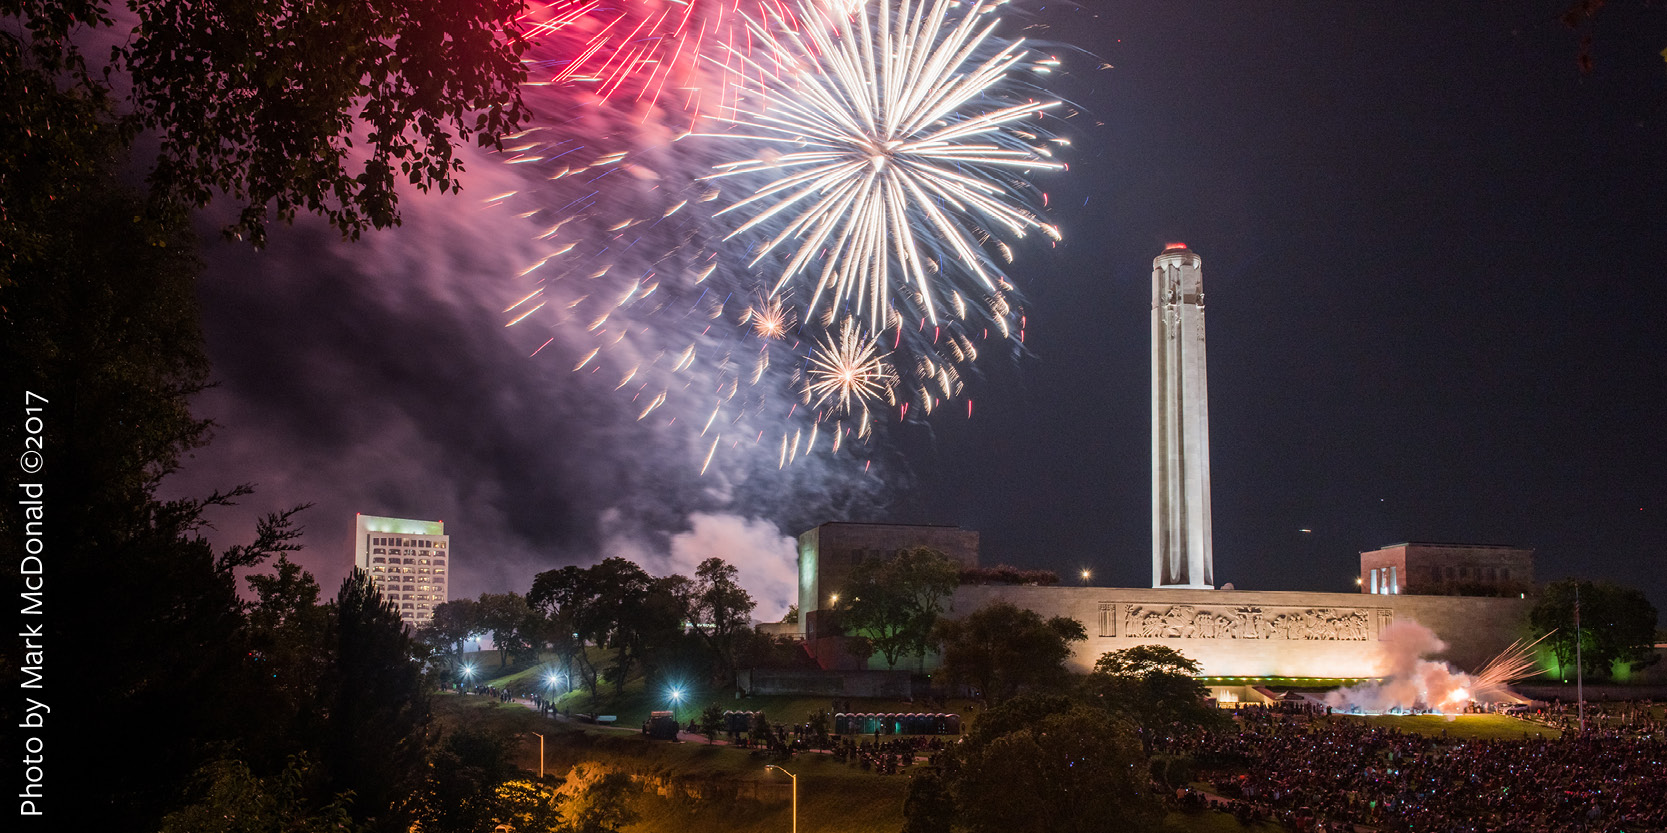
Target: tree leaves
[(263, 100)]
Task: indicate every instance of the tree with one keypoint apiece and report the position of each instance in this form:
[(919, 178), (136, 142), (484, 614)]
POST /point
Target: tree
[(1153, 685), (1047, 764), (596, 799), (1617, 626), (235, 800), (621, 587), (454, 623), (375, 735), (467, 770), (268, 110), (659, 632), (527, 806), (568, 599), (1000, 648), (505, 616), (287, 631), (893, 603), (722, 611), (711, 721)]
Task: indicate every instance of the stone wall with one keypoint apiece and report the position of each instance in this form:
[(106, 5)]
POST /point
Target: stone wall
[(1237, 633)]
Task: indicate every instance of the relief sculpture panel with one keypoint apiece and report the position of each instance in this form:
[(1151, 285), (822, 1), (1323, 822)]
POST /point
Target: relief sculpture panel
[(1186, 621)]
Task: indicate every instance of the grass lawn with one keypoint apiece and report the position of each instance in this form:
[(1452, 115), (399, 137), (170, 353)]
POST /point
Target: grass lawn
[(1467, 726)]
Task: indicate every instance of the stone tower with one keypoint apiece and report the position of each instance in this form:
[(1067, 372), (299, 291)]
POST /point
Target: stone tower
[(1180, 424)]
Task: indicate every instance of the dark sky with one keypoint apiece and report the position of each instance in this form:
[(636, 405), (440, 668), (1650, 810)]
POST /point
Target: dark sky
[(1433, 251)]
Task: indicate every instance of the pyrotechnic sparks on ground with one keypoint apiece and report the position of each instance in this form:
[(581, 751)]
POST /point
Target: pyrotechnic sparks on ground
[(848, 371), (1512, 664), (890, 150)]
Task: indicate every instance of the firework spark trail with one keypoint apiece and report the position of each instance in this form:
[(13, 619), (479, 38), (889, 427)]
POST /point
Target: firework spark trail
[(672, 54), (884, 154)]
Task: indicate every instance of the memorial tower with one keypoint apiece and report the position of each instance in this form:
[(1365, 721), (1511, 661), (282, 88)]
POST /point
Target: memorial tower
[(1180, 424)]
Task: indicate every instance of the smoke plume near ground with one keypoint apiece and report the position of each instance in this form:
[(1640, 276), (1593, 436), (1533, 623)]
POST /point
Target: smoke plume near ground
[(1410, 681)]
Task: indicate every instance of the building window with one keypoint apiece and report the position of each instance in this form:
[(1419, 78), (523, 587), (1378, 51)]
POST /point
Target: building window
[(1394, 583)]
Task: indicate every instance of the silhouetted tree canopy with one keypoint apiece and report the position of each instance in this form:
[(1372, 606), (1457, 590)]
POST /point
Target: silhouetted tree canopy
[(1000, 649), (321, 107), (1617, 626)]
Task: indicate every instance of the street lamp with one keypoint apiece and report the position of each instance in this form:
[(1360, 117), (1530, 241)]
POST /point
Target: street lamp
[(1085, 576), (540, 756), (795, 793), (676, 697)]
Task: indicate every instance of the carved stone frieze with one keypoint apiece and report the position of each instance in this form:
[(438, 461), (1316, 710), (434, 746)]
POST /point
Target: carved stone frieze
[(1190, 621)]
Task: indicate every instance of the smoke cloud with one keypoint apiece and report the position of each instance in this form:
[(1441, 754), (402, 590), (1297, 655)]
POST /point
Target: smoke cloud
[(1410, 681), (378, 377), (764, 558)]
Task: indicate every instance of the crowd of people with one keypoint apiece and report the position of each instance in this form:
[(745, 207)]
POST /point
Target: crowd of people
[(885, 757), (1314, 773), (502, 694)]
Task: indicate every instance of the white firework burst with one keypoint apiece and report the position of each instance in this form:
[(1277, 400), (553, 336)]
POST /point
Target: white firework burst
[(890, 152), (770, 318), (849, 372)]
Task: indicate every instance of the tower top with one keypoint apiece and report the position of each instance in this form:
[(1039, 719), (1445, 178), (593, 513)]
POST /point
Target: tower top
[(1177, 253)]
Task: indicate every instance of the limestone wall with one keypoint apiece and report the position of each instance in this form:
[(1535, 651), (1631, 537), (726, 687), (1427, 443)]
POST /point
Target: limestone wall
[(1264, 633)]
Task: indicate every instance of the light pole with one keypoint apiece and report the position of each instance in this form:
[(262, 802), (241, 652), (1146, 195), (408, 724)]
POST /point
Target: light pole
[(795, 793), (676, 697), (1085, 576), (540, 756)]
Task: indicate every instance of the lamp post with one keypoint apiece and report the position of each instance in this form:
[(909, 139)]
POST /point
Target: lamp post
[(795, 793), (540, 756), (676, 697), (1085, 576)]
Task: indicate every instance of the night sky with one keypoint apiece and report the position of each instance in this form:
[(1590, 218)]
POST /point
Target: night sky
[(1433, 251)]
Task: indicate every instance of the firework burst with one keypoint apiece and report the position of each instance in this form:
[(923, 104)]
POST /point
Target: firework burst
[(770, 318), (889, 150), (678, 54), (848, 372)]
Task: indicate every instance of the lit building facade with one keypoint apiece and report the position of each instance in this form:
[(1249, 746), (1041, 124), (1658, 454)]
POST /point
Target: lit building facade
[(1447, 569), (828, 552), (409, 561)]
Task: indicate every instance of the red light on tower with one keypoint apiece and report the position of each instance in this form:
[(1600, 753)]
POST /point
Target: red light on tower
[(1173, 246)]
